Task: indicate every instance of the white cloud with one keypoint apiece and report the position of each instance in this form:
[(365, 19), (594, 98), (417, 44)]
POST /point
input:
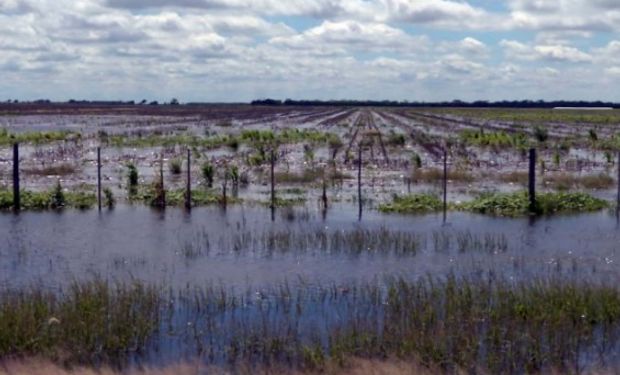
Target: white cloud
[(561, 53), (352, 35)]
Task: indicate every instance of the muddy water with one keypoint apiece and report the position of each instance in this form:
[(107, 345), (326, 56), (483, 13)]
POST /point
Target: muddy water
[(210, 245)]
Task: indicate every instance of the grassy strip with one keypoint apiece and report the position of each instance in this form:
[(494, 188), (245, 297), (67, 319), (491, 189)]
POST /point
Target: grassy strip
[(151, 196), (47, 200), (500, 139), (248, 137), (517, 204), (416, 203), (474, 325), (7, 138), (89, 321)]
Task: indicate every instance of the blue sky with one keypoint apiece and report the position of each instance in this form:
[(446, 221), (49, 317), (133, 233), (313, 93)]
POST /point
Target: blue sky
[(239, 50)]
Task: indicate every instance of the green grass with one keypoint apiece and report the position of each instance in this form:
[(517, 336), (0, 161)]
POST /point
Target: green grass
[(500, 139), (176, 198), (538, 116), (45, 200), (88, 322), (7, 138), (473, 325), (416, 203), (247, 137), (517, 204)]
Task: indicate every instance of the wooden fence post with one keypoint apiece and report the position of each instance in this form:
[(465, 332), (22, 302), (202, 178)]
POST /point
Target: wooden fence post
[(618, 196), (532, 181), (16, 197), (188, 194), (445, 185), (273, 179), (161, 181), (359, 179), (99, 177)]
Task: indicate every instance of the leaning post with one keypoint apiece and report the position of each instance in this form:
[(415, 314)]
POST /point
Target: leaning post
[(16, 197), (532, 180)]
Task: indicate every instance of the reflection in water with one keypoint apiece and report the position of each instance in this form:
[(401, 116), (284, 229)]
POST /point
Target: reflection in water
[(248, 246)]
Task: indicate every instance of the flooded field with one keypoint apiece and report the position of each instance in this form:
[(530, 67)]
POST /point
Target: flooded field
[(321, 276)]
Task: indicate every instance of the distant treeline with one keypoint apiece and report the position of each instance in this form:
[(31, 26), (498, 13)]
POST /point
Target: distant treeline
[(336, 103), (454, 103)]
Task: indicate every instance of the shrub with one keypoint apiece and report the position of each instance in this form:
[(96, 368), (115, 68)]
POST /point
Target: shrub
[(175, 166), (517, 204), (417, 203), (208, 173)]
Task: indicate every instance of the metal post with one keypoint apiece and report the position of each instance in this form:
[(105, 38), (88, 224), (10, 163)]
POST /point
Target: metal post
[(16, 197), (359, 179), (532, 180), (188, 195), (445, 185), (99, 177)]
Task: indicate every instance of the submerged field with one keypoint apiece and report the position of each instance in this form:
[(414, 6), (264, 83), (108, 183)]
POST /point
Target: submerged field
[(233, 286)]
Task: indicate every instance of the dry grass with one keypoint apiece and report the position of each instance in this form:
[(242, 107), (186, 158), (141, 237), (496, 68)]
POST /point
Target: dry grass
[(520, 178), (435, 175), (353, 367), (565, 181), (51, 170)]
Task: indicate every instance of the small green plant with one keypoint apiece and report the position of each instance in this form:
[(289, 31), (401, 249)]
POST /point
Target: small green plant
[(208, 173), (308, 153), (609, 157), (175, 166), (396, 139), (335, 145), (234, 176), (58, 197), (556, 159), (416, 160), (108, 200), (132, 178), (541, 134), (417, 203), (593, 135)]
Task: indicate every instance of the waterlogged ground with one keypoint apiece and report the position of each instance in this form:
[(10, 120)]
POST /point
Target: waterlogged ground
[(242, 247), (247, 284)]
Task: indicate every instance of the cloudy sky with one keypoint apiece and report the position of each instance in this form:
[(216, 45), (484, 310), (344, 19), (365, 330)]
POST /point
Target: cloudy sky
[(239, 50)]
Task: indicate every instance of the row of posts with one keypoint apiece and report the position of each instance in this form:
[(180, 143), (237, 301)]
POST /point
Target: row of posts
[(188, 195)]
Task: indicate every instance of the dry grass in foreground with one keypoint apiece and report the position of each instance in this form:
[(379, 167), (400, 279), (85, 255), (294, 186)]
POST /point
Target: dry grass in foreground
[(355, 367)]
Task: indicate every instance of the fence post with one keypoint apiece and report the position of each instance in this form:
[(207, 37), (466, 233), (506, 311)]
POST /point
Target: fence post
[(532, 180), (161, 181), (16, 197), (618, 197), (188, 195), (445, 185), (273, 179), (224, 197), (359, 179), (99, 177)]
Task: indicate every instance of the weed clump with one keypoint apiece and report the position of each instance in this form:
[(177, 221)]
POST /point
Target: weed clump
[(517, 204), (416, 203)]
